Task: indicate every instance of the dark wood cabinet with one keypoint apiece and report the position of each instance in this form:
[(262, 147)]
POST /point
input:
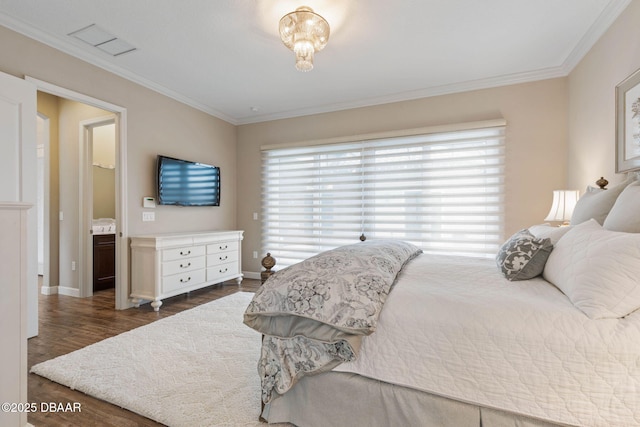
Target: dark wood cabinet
[(104, 261)]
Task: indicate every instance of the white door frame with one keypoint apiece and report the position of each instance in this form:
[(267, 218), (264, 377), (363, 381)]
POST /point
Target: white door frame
[(85, 149), (122, 260), (46, 270)]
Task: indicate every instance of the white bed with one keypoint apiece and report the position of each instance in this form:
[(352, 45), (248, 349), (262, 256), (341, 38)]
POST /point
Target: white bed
[(457, 343), (455, 328)]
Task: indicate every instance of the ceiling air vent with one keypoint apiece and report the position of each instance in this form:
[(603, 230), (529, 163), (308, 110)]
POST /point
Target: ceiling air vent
[(103, 40)]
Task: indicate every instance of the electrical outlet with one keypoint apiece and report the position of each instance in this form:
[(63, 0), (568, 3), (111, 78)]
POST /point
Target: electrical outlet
[(255, 216), (73, 266), (255, 254), (148, 216)]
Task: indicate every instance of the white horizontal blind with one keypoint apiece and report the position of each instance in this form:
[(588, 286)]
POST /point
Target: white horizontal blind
[(442, 191)]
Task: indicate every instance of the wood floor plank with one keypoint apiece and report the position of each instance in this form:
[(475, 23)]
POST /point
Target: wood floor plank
[(67, 324)]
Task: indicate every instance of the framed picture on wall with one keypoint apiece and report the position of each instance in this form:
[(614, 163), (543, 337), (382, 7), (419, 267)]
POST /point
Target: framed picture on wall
[(628, 124)]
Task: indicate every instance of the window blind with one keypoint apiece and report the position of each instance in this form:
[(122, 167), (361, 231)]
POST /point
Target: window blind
[(442, 191)]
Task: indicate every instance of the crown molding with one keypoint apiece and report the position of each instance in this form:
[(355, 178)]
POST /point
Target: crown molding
[(468, 86), (69, 48), (597, 30), (599, 27)]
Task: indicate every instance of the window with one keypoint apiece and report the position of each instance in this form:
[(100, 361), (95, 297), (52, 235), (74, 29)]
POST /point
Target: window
[(441, 190)]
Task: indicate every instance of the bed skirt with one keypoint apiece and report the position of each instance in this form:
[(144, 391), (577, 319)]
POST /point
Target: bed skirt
[(336, 398)]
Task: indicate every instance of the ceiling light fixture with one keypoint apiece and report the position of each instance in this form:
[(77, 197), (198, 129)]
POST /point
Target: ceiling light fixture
[(304, 32)]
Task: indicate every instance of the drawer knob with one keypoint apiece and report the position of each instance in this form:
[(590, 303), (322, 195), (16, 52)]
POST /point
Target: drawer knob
[(224, 258), (185, 281), (224, 271), (222, 248), (185, 266), (185, 253)]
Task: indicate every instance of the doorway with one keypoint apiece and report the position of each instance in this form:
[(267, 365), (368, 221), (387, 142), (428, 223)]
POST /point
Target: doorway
[(98, 203), (76, 264)]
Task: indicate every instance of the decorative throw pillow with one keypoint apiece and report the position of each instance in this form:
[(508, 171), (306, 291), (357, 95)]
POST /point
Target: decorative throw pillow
[(543, 231), (523, 256), (598, 269), (624, 215), (596, 203)]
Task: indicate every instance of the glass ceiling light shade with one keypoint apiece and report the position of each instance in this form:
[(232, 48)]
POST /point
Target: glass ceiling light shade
[(305, 33), (564, 201)]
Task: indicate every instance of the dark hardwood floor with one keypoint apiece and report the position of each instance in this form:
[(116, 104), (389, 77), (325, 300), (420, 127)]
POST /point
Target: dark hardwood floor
[(67, 324)]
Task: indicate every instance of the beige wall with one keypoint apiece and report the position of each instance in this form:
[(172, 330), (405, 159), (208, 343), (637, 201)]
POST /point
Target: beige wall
[(104, 173), (104, 192), (592, 100), (536, 115), (560, 132), (156, 125), (71, 113)]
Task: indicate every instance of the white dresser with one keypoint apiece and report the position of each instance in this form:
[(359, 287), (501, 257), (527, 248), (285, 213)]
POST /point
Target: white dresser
[(165, 265)]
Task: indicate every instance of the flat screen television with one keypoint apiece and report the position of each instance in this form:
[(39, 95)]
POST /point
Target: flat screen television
[(185, 183)]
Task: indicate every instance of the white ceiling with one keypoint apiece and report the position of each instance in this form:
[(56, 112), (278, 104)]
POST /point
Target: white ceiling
[(225, 57)]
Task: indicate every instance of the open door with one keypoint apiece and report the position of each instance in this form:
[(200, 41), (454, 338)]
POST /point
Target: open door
[(18, 185)]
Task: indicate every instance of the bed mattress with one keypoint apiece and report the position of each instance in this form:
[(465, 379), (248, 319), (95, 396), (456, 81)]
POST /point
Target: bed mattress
[(456, 328)]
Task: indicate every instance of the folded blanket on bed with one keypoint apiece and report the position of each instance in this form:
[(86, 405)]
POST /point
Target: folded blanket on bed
[(314, 313)]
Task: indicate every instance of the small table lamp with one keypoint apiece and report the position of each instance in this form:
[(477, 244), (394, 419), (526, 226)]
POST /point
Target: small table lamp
[(564, 201)]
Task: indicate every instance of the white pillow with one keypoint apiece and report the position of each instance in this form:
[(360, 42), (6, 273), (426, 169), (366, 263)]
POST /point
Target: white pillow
[(546, 231), (625, 213), (598, 269), (596, 203)]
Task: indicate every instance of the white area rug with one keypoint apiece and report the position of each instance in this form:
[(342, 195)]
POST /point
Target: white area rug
[(196, 368)]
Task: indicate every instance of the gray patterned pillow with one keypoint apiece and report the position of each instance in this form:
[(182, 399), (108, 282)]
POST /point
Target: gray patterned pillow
[(523, 256)]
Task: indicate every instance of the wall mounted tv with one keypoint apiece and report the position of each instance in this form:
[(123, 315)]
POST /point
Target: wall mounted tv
[(185, 183)]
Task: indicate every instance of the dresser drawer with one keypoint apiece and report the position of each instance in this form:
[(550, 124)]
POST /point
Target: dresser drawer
[(182, 265), (221, 258), (182, 280), (166, 265), (180, 253), (222, 270), (223, 247)]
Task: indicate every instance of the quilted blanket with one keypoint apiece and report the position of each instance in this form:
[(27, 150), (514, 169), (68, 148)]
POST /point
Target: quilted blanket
[(313, 314), (456, 328)]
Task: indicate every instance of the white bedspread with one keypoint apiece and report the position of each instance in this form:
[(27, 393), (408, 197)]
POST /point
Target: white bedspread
[(455, 327)]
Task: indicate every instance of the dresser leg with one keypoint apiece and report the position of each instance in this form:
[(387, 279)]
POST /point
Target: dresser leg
[(239, 280), (156, 305)]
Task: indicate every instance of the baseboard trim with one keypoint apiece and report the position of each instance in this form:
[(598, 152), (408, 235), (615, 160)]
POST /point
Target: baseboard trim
[(251, 275), (72, 292), (48, 290)]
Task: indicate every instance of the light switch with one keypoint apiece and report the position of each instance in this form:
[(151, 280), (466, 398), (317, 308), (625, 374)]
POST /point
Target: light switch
[(148, 216)]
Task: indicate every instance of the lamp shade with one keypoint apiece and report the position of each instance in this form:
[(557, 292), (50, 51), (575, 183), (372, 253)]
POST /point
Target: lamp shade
[(564, 201)]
